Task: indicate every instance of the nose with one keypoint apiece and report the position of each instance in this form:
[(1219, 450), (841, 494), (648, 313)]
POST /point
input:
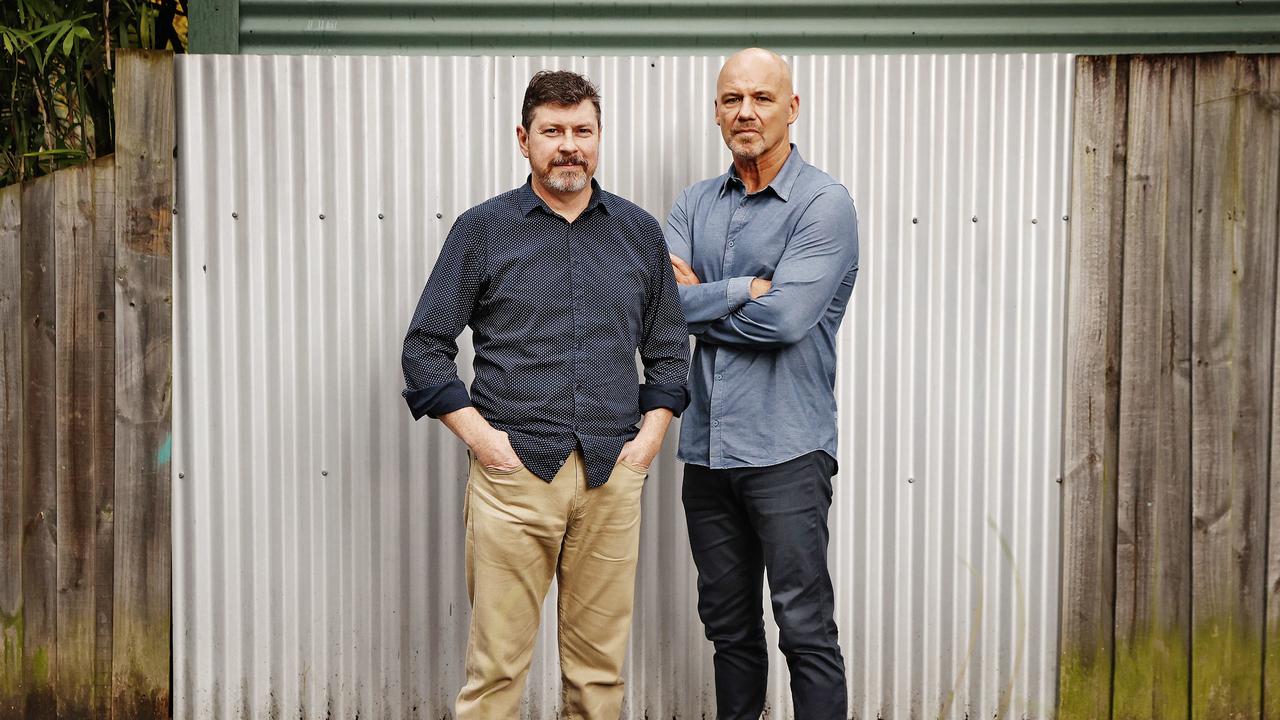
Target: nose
[(747, 109), (568, 144)]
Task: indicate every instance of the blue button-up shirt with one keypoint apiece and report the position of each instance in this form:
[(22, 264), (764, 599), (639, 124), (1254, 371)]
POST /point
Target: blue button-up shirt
[(764, 371), (557, 311)]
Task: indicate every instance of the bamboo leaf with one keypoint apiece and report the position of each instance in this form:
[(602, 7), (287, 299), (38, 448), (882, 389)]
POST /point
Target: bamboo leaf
[(57, 152)]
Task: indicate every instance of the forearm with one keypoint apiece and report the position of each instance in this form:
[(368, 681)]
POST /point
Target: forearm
[(653, 426), (738, 330), (709, 301), (644, 447), (469, 425)]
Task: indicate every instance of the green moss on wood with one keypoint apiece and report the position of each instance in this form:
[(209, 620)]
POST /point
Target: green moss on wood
[(140, 684), (11, 634), (1084, 685), (1151, 677), (40, 668), (1226, 680), (1271, 693)]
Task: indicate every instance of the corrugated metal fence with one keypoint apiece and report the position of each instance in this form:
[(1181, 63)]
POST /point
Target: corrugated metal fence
[(317, 554)]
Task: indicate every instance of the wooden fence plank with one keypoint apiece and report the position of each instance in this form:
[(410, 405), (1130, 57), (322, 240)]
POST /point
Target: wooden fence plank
[(1233, 287), (10, 450), (1091, 410), (145, 138), (1270, 99), (1153, 569), (74, 371), (86, 421), (104, 402), (39, 458)]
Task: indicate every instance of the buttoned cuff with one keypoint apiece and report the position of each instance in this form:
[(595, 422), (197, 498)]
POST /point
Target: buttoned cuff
[(738, 292), (437, 400), (672, 396)]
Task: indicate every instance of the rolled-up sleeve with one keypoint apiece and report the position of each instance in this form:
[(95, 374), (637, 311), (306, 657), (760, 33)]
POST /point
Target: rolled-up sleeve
[(664, 342), (432, 386), (818, 257)]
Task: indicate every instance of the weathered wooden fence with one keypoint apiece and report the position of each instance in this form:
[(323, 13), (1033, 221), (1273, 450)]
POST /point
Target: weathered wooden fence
[(1171, 527), (84, 420)]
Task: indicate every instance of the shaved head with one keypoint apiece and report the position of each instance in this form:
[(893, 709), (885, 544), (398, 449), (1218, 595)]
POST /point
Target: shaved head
[(759, 63)]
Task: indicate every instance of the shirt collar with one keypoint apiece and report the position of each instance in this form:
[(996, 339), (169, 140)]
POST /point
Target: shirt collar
[(527, 199), (781, 183)]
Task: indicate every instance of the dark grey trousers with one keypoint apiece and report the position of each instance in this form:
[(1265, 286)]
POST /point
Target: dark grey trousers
[(744, 522)]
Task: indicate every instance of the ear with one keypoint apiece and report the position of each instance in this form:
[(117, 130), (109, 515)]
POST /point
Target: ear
[(795, 109), (715, 111), (522, 138)]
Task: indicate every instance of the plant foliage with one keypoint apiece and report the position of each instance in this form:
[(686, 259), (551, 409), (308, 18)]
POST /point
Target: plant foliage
[(57, 79)]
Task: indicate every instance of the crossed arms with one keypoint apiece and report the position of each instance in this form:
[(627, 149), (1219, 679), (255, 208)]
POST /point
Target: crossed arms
[(762, 313)]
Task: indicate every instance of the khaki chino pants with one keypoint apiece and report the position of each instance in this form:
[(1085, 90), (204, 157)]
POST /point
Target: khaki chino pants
[(521, 531)]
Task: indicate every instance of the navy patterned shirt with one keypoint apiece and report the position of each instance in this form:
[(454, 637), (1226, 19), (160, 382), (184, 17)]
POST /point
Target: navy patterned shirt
[(557, 311)]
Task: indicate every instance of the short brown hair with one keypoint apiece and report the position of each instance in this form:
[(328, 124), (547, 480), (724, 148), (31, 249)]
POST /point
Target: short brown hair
[(557, 87)]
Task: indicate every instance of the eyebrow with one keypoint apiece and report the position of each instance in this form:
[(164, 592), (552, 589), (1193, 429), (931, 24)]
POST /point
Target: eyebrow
[(557, 126)]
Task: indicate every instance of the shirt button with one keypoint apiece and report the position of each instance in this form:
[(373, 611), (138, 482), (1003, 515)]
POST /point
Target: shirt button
[(715, 423), (730, 243), (719, 376)]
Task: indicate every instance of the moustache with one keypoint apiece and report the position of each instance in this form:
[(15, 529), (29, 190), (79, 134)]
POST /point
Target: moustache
[(569, 162)]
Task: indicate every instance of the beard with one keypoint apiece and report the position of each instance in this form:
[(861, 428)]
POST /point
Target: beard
[(567, 175), (747, 147)]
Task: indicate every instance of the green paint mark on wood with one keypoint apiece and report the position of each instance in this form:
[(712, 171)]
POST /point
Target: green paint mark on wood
[(1151, 676), (1226, 680), (166, 451)]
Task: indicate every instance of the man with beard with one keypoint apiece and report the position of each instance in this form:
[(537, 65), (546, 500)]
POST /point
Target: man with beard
[(561, 282), (766, 256)]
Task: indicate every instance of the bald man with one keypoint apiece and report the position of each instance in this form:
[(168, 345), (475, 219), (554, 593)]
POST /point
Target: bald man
[(766, 256)]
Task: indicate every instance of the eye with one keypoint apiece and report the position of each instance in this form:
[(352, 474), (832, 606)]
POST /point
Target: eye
[(731, 100), (551, 131)]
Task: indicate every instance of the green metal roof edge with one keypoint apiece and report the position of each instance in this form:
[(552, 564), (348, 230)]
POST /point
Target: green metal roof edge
[(713, 27), (213, 26)]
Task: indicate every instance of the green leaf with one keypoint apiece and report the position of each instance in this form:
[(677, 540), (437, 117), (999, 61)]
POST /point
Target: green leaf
[(58, 152)]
